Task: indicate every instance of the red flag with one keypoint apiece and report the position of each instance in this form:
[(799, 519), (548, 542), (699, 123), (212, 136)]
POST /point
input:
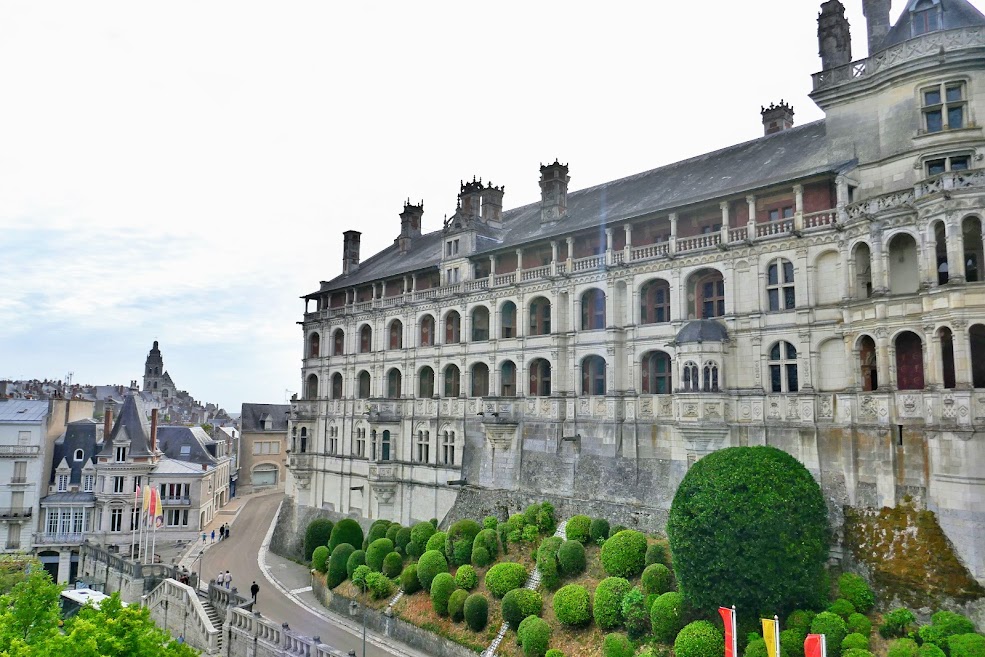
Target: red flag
[(814, 646), (728, 617)]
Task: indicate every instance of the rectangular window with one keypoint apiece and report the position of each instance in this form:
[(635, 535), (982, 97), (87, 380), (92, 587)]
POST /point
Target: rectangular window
[(941, 165), (116, 520), (62, 483), (88, 483), (121, 454), (944, 107), (118, 484), (23, 437), (52, 526), (20, 473)]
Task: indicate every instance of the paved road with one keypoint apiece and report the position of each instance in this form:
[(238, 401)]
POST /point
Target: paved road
[(238, 555)]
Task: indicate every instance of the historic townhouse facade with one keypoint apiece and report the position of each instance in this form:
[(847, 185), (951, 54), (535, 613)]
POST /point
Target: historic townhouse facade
[(820, 289)]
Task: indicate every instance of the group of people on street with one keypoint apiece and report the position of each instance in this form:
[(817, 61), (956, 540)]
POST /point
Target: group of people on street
[(223, 533)]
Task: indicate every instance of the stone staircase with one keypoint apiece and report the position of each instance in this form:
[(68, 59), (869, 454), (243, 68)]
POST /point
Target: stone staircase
[(217, 621)]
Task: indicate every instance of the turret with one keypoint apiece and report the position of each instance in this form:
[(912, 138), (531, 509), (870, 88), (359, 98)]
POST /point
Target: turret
[(350, 251), (554, 180), (876, 21)]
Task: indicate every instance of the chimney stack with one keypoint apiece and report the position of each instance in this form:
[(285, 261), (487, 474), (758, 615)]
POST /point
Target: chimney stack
[(350, 251), (410, 224), (777, 118), (107, 423), (492, 203), (554, 180), (153, 430), (833, 36), (470, 199), (877, 21)]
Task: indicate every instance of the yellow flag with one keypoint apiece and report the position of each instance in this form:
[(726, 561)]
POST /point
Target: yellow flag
[(147, 499), (771, 635)]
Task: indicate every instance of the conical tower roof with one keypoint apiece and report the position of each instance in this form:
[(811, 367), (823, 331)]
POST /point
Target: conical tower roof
[(954, 14), (132, 427)]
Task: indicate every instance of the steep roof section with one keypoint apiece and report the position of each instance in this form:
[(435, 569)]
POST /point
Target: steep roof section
[(782, 157), (189, 444), (955, 14), (254, 414), (131, 426), (79, 435), (23, 411)]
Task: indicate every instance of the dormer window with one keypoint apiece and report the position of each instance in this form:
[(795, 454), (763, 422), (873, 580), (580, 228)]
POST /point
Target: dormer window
[(944, 106), (88, 483), (79, 455), (451, 248), (186, 450), (62, 483), (121, 454), (925, 16)]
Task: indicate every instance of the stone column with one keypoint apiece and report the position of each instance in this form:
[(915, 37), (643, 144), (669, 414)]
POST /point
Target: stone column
[(571, 253), (519, 264), (841, 198), (628, 228), (751, 223), (880, 284), (961, 339), (724, 207), (955, 251), (804, 358), (672, 242), (885, 361), (798, 217), (608, 246), (933, 374), (554, 251)]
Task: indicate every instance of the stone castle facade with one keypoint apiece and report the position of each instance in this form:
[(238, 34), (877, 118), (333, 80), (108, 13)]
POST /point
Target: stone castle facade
[(820, 289)]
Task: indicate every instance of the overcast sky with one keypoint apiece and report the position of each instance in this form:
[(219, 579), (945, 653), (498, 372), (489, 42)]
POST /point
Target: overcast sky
[(184, 171)]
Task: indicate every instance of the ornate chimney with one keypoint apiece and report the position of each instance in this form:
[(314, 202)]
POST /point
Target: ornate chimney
[(410, 224), (777, 118), (877, 21), (350, 251), (469, 199), (833, 35), (492, 203), (554, 180)]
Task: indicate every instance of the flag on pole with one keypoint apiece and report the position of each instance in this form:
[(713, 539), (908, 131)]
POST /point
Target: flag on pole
[(814, 646), (157, 512), (771, 635), (731, 638), (147, 499)]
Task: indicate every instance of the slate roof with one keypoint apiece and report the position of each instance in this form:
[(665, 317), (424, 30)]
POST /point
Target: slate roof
[(23, 411), (702, 330), (170, 440), (131, 426), (176, 467), (782, 157), (956, 14), (80, 434), (68, 498), (253, 414)]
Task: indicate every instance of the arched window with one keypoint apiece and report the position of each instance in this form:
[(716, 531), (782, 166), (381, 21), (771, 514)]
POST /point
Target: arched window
[(453, 328), (904, 270), (507, 317), (868, 371), (304, 440), (311, 387), (971, 229), (337, 385), (976, 339), (393, 380), (79, 455), (365, 339), (427, 331), (655, 302), (593, 376), (863, 271), (422, 447), (338, 342), (540, 378), (946, 340), (783, 368), (779, 285), (540, 316), (689, 377), (385, 446), (940, 251), (593, 310), (364, 385), (480, 324), (480, 380), (452, 381), (396, 334), (314, 346), (909, 361), (708, 290), (656, 373), (507, 379), (448, 448), (710, 371), (425, 382)]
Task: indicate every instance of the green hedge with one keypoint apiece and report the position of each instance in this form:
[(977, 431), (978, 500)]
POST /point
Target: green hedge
[(857, 591), (379, 585), (436, 542), (635, 614), (488, 539), (657, 578), (599, 531), (571, 558), (833, 627), (442, 587), (466, 578), (624, 554), (547, 562), (348, 531), (377, 530), (490, 522), (319, 558), (554, 652), (318, 533), (902, 648), (534, 634), (579, 528), (520, 603), (337, 563), (402, 539), (617, 645), (480, 556), (966, 645), (409, 582), (699, 639), (393, 564), (377, 552), (571, 605), (419, 535), (792, 642), (930, 650), (392, 531), (943, 625), (667, 616), (359, 576), (504, 577), (856, 652), (429, 566), (476, 612), (356, 559), (842, 607), (456, 605), (607, 603), (855, 641), (859, 624), (458, 544)]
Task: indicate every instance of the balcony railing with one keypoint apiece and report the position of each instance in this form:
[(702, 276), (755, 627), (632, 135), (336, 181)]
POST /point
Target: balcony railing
[(16, 512), (176, 501), (56, 538), (19, 450)]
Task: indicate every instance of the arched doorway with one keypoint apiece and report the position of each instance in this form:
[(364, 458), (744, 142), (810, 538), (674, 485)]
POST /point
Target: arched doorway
[(909, 361)]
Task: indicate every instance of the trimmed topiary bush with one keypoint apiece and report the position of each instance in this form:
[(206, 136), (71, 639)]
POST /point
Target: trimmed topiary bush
[(392, 530), (943, 625), (442, 587), (635, 614), (749, 496), (488, 539), (579, 528), (480, 556), (359, 576), (856, 590), (546, 520), (667, 616), (792, 643), (466, 578), (319, 558), (456, 605), (377, 552), (402, 539), (356, 559), (520, 603), (490, 522), (615, 529), (436, 542), (656, 579), (756, 648), (856, 652), (318, 533), (409, 582), (801, 620), (503, 532), (504, 577), (656, 553), (571, 605), (855, 641), (833, 627), (842, 607), (534, 634), (617, 645), (607, 603), (599, 530), (419, 535), (337, 564), (348, 531), (623, 555), (393, 563), (699, 639), (554, 652), (379, 585), (571, 558), (377, 530), (859, 624), (530, 533), (458, 544), (897, 623), (547, 562), (429, 566), (476, 612), (903, 648), (930, 650)]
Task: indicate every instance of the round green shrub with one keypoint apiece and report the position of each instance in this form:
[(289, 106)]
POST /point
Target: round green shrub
[(379, 585), (458, 544), (607, 603), (402, 539), (456, 605), (842, 607), (699, 639), (534, 634), (617, 645), (896, 623), (756, 648), (656, 578), (419, 535), (530, 533), (943, 625), (801, 620), (488, 539), (319, 557), (902, 648), (430, 565), (833, 627), (377, 530), (635, 614), (599, 530), (490, 522), (857, 591), (546, 519), (356, 559), (520, 603), (409, 582), (480, 556), (503, 531), (624, 553), (359, 576), (667, 616), (615, 529), (855, 641), (579, 528), (859, 624), (412, 550), (476, 612), (571, 605), (504, 577), (571, 558), (554, 652), (348, 531), (393, 563), (442, 587), (530, 514), (856, 652), (547, 562), (392, 531), (377, 552), (318, 532), (436, 542), (749, 497), (656, 553), (337, 564), (930, 650), (466, 578), (792, 643)]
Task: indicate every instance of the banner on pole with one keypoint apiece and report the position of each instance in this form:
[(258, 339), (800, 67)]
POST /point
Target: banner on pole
[(728, 617), (771, 635), (814, 646)]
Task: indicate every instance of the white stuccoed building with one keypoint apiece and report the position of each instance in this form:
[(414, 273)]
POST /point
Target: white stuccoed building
[(23, 426)]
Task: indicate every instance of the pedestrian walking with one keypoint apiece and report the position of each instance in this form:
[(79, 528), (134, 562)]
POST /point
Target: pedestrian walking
[(222, 533), (254, 590), (204, 536), (229, 579), (227, 531), (213, 536), (220, 578)]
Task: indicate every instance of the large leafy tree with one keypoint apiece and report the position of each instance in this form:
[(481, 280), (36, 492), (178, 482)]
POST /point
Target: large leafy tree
[(748, 526)]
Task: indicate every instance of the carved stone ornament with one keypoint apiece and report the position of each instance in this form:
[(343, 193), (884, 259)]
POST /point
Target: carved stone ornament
[(500, 435)]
